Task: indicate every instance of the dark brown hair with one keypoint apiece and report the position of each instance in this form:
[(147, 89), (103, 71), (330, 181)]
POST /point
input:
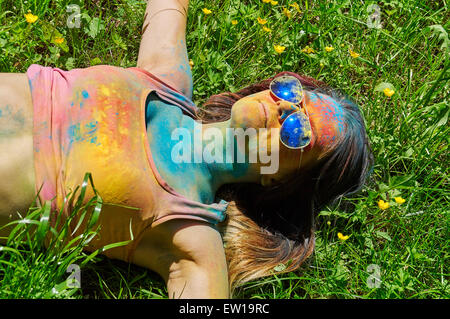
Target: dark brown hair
[(269, 226)]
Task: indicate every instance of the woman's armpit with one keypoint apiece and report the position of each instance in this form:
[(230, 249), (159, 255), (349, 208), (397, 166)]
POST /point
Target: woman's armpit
[(177, 76)]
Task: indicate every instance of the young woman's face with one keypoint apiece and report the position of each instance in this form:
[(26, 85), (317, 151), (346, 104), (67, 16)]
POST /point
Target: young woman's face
[(260, 110)]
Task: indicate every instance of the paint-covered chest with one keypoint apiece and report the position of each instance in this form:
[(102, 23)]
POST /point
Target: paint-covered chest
[(166, 128)]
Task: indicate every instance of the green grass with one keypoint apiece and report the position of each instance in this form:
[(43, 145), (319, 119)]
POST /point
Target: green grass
[(408, 131)]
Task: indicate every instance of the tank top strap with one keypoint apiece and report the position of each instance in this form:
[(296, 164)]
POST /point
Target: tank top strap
[(166, 92)]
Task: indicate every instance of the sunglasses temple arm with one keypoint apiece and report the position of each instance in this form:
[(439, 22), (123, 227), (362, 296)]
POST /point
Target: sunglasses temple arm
[(301, 157)]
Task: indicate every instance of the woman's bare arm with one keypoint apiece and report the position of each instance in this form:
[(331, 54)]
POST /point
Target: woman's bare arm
[(189, 255), (201, 272), (17, 183), (163, 49)]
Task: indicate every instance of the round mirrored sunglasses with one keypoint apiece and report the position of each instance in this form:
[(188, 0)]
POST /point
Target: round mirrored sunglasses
[(295, 132)]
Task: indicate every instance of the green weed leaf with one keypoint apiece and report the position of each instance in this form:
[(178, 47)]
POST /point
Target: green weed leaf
[(438, 31)]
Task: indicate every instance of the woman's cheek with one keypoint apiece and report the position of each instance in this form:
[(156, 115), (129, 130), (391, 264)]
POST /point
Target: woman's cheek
[(269, 142), (247, 116)]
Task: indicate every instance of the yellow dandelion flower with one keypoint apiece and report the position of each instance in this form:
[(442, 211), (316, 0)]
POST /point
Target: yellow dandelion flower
[(308, 50), (328, 223), (279, 48), (234, 22), (191, 63), (31, 18), (342, 237), (262, 21), (329, 49), (287, 13), (322, 65), (383, 205), (399, 200), (342, 45), (296, 7), (266, 1), (353, 53), (206, 11), (388, 92), (274, 3), (267, 29), (59, 40)]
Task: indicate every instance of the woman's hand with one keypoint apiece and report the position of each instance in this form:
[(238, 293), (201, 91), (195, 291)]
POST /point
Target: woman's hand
[(163, 49)]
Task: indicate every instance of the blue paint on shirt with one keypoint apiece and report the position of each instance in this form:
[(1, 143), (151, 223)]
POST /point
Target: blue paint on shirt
[(85, 94)]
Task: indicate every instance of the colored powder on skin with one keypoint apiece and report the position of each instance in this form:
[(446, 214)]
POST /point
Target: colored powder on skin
[(19, 118), (12, 120), (164, 119), (334, 110), (239, 169), (329, 115)]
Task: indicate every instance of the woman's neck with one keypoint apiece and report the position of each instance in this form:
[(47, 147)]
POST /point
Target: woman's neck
[(193, 158), (226, 160)]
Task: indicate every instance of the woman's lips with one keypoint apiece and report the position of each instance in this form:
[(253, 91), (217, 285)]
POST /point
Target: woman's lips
[(266, 113)]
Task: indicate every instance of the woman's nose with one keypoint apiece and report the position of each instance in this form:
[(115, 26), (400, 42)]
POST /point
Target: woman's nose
[(285, 108)]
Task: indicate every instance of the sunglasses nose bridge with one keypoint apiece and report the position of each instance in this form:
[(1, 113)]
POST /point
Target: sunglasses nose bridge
[(286, 108)]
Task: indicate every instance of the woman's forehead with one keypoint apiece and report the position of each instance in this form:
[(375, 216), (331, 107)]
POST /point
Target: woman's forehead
[(327, 117)]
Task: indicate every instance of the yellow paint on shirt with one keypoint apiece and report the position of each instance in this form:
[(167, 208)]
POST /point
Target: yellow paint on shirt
[(105, 90), (123, 130)]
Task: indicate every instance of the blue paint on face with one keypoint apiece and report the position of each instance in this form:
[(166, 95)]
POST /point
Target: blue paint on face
[(332, 110)]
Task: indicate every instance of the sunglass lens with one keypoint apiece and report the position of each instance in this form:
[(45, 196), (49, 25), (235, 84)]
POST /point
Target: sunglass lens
[(295, 131), (287, 88)]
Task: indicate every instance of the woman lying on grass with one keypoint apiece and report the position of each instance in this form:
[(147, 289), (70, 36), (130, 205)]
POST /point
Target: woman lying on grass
[(164, 177)]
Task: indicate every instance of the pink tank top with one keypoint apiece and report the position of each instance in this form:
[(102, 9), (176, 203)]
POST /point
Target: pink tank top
[(93, 120)]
